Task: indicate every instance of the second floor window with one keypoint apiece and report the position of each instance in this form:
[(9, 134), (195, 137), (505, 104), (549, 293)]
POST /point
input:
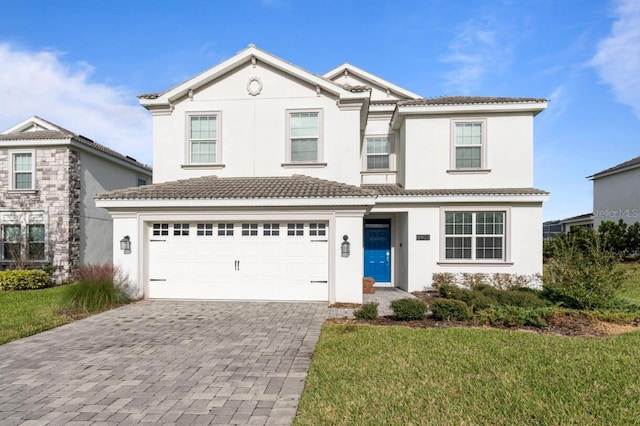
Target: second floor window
[(203, 139), (468, 145), (304, 137), (378, 150), (22, 170)]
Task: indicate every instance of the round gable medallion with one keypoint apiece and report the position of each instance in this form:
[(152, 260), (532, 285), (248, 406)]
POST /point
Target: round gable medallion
[(254, 86)]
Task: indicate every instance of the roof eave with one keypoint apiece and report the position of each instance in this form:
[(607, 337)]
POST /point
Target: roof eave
[(365, 201), (533, 107)]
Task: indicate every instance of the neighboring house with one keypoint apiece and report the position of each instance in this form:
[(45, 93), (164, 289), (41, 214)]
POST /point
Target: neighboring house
[(271, 182), (552, 228), (616, 193), (49, 177)]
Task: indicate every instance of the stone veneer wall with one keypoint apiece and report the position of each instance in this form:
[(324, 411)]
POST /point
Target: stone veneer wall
[(57, 194)]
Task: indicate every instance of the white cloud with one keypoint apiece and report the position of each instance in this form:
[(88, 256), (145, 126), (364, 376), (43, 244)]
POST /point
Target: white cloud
[(557, 102), (42, 83), (618, 57), (473, 53)]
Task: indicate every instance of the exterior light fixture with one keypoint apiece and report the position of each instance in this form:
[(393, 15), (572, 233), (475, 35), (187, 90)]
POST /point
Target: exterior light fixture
[(125, 244), (345, 247)]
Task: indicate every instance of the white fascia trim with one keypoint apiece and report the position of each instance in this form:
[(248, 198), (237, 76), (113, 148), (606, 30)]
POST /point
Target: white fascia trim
[(613, 172), (535, 107), (372, 78), (389, 108), (448, 199), (243, 56), (258, 202), (28, 123)]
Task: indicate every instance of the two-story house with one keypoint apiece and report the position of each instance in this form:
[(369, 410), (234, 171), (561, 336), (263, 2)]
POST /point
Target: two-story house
[(616, 193), (48, 179), (272, 182)]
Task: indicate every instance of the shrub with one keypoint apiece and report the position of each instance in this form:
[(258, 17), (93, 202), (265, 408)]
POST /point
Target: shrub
[(582, 275), (409, 309), (515, 316), (523, 299), (471, 281), (450, 309), (97, 287), (479, 302), (443, 278), (457, 293), (24, 280), (367, 311)]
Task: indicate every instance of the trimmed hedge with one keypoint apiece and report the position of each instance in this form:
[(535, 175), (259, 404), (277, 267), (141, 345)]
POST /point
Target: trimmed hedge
[(450, 309), (408, 309), (23, 280)]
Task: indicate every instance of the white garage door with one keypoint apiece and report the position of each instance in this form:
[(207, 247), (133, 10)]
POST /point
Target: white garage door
[(249, 260)]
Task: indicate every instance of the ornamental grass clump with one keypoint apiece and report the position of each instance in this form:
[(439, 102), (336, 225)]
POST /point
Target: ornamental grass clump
[(97, 288)]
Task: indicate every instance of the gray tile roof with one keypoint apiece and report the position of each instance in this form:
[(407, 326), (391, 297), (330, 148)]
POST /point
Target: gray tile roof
[(397, 190), (466, 100), (66, 134), (621, 166), (212, 188)]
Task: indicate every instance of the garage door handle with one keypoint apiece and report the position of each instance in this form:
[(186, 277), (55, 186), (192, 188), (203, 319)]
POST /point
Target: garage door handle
[(319, 241), (323, 282), (157, 279), (157, 241)]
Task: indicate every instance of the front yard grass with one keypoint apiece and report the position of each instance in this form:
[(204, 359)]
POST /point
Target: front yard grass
[(364, 374), (630, 289), (23, 313)]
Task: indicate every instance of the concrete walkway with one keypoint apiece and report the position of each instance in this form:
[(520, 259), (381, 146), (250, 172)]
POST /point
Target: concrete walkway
[(164, 362), (383, 296)]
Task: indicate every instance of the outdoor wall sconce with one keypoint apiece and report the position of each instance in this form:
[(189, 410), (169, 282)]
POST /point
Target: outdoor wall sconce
[(345, 247), (125, 244)]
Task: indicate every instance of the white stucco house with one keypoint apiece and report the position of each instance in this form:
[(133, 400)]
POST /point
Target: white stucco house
[(275, 183), (616, 193), (48, 179)]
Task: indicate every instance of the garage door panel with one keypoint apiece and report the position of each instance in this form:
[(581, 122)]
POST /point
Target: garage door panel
[(259, 267)]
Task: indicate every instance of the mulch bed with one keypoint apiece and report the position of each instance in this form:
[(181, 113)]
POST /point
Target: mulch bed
[(571, 325)]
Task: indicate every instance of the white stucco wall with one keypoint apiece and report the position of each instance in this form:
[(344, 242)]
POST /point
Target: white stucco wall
[(617, 197), (98, 174), (253, 129), (509, 147), (423, 258)]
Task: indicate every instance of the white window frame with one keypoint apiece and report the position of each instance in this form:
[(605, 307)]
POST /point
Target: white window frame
[(317, 229), (506, 243), (320, 146), (218, 139), (249, 230), (295, 229), (160, 229), (391, 154), (204, 229), (225, 229), (181, 229), (12, 173), (28, 243), (271, 229), (483, 146), (20, 242)]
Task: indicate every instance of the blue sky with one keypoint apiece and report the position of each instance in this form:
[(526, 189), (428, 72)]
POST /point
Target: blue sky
[(80, 64)]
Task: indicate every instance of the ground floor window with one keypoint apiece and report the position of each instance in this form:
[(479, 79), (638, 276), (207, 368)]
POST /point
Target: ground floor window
[(35, 242), (22, 242), (474, 235), (11, 242)]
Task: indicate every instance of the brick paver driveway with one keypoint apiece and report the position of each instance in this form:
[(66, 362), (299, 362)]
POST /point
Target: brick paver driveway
[(164, 362)]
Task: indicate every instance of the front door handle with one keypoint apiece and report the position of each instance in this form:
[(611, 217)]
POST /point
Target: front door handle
[(388, 256)]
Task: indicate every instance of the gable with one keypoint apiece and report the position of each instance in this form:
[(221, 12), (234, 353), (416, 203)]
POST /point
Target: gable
[(251, 56), (350, 75), (33, 124)]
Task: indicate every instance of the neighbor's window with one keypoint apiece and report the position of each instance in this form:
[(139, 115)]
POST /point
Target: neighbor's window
[(22, 170), (142, 182), (469, 144), (378, 150), (203, 138), (11, 237), (304, 137), (474, 235), (35, 242)]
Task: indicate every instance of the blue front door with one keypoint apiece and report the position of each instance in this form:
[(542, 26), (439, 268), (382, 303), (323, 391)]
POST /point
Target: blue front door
[(377, 249)]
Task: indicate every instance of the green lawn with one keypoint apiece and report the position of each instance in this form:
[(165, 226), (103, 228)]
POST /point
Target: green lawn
[(631, 288), (23, 313), (369, 375), (399, 376)]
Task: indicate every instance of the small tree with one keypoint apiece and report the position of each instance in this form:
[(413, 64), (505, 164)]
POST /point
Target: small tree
[(582, 273)]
